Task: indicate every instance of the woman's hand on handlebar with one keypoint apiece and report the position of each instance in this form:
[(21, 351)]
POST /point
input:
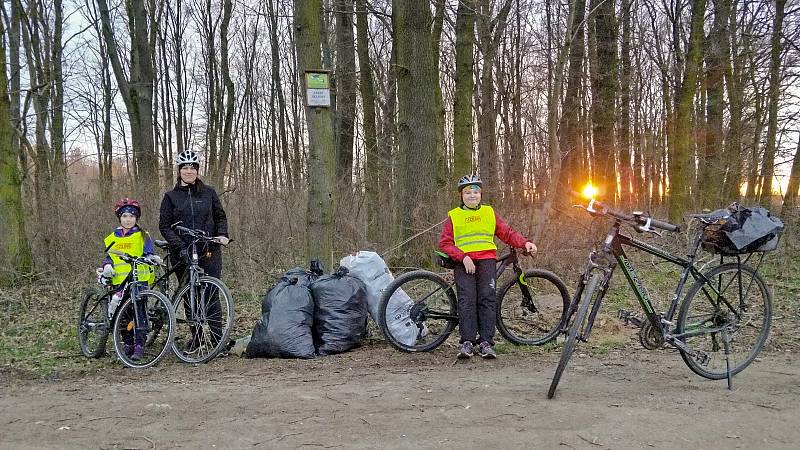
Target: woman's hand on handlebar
[(530, 248), (222, 240)]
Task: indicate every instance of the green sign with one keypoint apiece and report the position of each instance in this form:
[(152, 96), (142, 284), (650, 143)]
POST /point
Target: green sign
[(317, 80)]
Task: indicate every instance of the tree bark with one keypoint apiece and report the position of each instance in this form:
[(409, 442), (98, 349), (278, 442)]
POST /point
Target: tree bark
[(345, 91), (374, 168), (604, 95), (416, 119), (15, 253), (321, 161), (680, 159), (464, 86), (712, 164), (768, 164)]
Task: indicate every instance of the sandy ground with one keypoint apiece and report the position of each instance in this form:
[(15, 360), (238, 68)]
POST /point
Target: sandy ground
[(377, 398)]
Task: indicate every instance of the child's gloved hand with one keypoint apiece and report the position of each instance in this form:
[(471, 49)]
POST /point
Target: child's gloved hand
[(108, 271)]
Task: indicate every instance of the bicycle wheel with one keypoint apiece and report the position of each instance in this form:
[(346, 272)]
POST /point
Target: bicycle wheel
[(202, 333), (574, 329), (155, 318), (418, 311), (734, 305), (531, 312), (93, 327)]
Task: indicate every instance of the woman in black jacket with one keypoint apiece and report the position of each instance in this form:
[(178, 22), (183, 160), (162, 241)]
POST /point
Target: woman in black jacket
[(198, 207)]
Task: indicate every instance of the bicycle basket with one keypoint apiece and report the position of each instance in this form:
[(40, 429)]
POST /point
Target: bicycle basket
[(745, 230)]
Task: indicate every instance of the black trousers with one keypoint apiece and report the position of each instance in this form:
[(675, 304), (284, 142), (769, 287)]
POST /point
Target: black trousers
[(477, 301)]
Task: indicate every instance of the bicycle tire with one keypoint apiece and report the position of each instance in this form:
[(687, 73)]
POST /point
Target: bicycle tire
[(195, 345), (431, 308), (157, 306), (93, 326), (539, 322), (705, 305), (574, 329)]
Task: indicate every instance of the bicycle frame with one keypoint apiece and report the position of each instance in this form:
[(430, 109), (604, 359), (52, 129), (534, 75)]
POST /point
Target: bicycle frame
[(502, 264), (613, 246)]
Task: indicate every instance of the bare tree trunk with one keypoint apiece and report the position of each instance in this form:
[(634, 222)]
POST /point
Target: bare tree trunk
[(442, 172), (345, 91), (625, 168), (321, 209), (768, 165), (464, 86), (416, 119), (228, 94), (790, 198), (15, 253), (374, 167), (604, 85), (570, 135), (137, 92), (680, 160), (734, 153), (712, 163)]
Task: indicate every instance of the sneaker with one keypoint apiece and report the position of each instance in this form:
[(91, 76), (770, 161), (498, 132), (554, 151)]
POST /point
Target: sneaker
[(138, 352), (486, 351), (128, 349), (466, 350)]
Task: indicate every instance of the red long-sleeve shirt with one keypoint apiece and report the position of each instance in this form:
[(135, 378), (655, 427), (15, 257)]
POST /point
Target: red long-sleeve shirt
[(502, 230)]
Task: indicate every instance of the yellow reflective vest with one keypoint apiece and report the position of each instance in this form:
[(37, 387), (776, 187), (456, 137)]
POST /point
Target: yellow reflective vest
[(473, 229), (133, 245)]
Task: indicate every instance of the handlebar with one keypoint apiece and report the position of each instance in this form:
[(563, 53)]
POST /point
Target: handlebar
[(198, 235), (130, 259), (638, 220)]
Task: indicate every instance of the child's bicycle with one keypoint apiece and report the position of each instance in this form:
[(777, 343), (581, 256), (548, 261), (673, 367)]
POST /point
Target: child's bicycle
[(723, 321), (203, 305), (142, 310), (530, 307)]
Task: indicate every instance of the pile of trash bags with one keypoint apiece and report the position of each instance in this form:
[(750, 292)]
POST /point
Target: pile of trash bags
[(307, 313)]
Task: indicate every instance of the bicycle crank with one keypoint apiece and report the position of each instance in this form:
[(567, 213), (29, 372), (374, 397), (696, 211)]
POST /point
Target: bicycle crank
[(650, 337)]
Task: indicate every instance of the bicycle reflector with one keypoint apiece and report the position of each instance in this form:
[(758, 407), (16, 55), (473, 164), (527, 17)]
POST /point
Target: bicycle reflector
[(589, 191)]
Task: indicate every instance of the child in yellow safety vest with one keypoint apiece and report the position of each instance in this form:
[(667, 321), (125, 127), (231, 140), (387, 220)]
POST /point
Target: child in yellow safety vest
[(131, 239), (468, 239)]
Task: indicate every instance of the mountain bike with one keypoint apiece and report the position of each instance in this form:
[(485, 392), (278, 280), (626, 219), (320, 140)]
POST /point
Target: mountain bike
[(530, 307), (203, 305), (723, 321), (142, 310)]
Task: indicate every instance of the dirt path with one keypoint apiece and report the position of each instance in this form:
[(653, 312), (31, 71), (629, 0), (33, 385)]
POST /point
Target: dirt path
[(375, 398)]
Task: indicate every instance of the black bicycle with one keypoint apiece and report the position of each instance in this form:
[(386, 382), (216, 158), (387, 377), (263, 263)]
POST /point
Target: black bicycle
[(723, 321), (203, 305), (418, 310), (142, 310)]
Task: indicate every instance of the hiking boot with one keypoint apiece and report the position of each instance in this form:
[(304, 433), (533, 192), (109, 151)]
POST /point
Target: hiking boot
[(138, 352), (486, 351), (128, 349), (466, 350)]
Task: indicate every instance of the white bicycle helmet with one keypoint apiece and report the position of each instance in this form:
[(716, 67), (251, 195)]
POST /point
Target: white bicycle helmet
[(187, 157), (469, 180)]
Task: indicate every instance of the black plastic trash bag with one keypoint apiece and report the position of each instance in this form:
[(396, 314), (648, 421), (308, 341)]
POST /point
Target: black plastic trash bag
[(284, 329), (740, 230), (340, 312)]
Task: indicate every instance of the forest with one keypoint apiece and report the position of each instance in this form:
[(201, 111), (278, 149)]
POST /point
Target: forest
[(667, 106)]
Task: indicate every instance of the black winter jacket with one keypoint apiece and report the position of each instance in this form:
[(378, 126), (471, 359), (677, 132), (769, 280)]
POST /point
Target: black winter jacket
[(198, 207)]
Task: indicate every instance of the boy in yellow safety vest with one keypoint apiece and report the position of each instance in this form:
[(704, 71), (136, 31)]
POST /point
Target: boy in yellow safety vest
[(131, 239), (468, 238)]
